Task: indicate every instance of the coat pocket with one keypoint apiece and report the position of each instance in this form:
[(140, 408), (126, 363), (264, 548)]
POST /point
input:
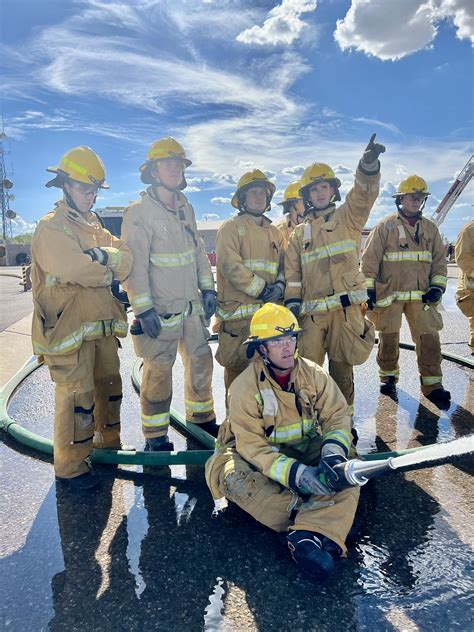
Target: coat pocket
[(355, 343)]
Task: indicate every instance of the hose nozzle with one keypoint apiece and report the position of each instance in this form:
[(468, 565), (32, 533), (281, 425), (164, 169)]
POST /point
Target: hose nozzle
[(357, 473)]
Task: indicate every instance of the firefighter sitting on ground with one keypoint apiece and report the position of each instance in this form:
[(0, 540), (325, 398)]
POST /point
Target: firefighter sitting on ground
[(171, 290), (293, 209), (464, 249), (249, 269), (76, 319), (404, 262), (287, 425), (324, 286)]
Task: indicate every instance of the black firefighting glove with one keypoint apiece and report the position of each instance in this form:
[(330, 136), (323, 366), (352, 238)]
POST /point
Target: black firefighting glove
[(209, 303), (120, 294), (97, 254), (333, 454), (371, 298), (313, 480), (433, 295), (294, 305), (150, 323), (371, 154), (272, 292)]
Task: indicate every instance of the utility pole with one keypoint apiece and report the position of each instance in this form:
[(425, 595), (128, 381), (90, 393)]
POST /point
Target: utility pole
[(5, 185)]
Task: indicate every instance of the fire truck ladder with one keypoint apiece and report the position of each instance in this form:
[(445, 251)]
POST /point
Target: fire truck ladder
[(454, 192)]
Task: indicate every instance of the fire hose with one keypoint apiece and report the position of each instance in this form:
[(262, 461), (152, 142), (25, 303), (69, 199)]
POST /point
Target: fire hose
[(353, 472)]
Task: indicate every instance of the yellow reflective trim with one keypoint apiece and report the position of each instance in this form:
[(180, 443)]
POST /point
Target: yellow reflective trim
[(87, 331), (330, 303), (156, 421), (341, 436), (439, 279), (173, 259), (292, 432), (74, 165), (206, 283), (279, 469), (394, 373), (412, 295), (141, 300), (369, 283), (429, 380), (261, 265), (115, 257), (415, 255), (244, 311), (323, 252), (255, 286), (199, 407)]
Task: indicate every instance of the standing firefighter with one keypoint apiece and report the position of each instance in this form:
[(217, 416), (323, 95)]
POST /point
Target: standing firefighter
[(76, 319), (249, 269), (464, 249), (171, 290), (293, 209), (405, 265), (325, 287), (288, 425)]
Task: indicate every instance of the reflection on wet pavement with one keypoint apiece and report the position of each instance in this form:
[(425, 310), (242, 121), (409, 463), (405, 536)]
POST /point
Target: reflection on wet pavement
[(144, 554)]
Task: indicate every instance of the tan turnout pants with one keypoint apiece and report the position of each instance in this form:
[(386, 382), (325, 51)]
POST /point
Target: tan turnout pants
[(156, 389), (88, 396), (424, 322), (322, 335), (465, 302), (279, 508), (231, 352)]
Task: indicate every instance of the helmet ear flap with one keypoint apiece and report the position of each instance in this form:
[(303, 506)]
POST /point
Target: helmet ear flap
[(251, 348)]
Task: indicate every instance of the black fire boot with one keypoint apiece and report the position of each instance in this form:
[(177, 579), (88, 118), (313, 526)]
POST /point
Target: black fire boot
[(389, 386), (307, 551)]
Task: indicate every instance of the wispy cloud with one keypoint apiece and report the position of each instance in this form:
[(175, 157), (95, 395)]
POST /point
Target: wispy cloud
[(370, 121)]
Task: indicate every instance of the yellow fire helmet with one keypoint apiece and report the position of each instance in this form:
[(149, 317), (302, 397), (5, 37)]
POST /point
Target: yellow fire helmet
[(247, 180), (318, 172), (292, 193), (270, 322), (80, 164), (412, 184), (166, 147)]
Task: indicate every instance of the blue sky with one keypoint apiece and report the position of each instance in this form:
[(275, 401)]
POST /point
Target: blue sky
[(273, 85)]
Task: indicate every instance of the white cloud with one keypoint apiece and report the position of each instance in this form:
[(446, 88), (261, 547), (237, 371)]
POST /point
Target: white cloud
[(392, 29), (207, 217), (297, 170), (461, 12), (282, 26), (342, 170), (192, 189), (370, 121), (401, 170), (220, 200), (20, 226)]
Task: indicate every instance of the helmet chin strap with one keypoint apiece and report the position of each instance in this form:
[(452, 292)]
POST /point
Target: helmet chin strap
[(310, 208), (243, 209), (409, 215)]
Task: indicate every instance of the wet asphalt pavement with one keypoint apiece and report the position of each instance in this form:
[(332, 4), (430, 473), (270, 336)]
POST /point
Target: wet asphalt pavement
[(144, 553)]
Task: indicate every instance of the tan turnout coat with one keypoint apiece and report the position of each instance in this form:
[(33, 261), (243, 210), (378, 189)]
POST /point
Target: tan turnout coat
[(71, 293)]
